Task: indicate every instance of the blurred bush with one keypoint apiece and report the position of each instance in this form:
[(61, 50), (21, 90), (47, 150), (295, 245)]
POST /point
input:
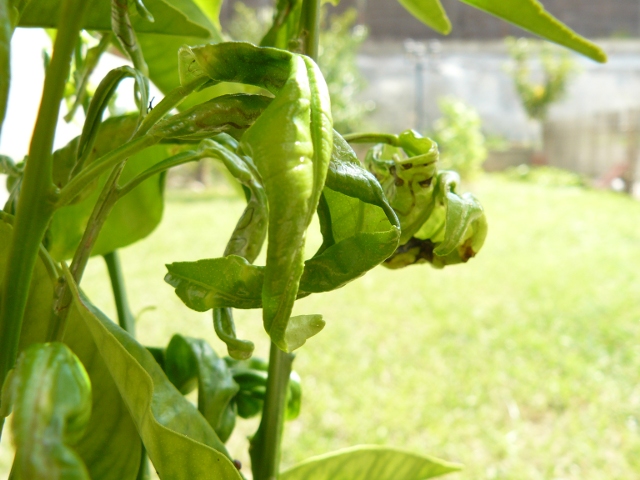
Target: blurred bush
[(557, 69), (459, 136)]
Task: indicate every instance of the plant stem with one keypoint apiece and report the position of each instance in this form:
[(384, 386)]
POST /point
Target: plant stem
[(126, 321), (265, 444), (101, 210), (310, 28), (174, 98), (108, 197), (141, 140), (110, 160), (36, 205), (125, 317)]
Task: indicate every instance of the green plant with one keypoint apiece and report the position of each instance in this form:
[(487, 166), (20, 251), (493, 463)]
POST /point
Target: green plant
[(557, 70), (459, 136), (340, 40), (104, 190)]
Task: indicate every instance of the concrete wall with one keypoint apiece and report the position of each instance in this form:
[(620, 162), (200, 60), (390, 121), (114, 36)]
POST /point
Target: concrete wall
[(475, 72)]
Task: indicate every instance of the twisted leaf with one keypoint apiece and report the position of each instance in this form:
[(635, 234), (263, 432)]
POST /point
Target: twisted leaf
[(190, 363), (290, 144), (438, 225), (110, 448)]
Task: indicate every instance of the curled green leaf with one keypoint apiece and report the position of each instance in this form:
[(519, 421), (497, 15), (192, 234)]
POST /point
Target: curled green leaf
[(290, 144), (360, 231), (226, 331), (438, 225), (50, 394), (231, 114), (90, 63), (252, 376), (190, 363), (99, 103), (454, 232)]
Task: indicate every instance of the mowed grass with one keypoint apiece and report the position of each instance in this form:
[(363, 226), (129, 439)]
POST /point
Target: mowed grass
[(522, 364)]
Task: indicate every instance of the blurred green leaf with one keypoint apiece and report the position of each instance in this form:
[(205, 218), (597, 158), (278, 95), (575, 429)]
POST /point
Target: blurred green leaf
[(177, 17), (369, 462), (132, 218), (6, 31), (50, 396), (284, 28), (251, 376), (429, 12), (191, 362), (531, 15), (178, 440)]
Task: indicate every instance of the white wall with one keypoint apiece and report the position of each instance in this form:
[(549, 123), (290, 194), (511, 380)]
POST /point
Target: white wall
[(475, 72)]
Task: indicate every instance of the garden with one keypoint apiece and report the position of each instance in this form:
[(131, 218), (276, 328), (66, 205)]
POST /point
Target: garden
[(190, 351)]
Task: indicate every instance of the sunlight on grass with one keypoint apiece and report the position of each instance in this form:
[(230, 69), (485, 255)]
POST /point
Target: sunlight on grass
[(522, 364)]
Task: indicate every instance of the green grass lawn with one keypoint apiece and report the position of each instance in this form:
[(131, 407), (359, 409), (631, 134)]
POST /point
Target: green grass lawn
[(522, 364)]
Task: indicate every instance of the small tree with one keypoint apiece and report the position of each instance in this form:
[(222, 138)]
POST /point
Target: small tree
[(557, 69), (88, 400)]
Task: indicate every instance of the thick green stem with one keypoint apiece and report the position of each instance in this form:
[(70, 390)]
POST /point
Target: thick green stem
[(310, 26), (35, 205), (125, 317), (265, 444)]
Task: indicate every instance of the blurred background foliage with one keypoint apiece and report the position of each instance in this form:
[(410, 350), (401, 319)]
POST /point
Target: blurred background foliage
[(459, 136), (538, 92)]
